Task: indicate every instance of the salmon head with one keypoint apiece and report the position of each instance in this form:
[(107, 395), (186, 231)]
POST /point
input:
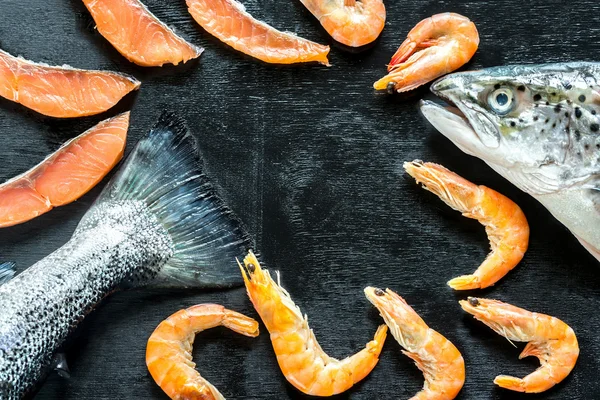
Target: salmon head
[(537, 125)]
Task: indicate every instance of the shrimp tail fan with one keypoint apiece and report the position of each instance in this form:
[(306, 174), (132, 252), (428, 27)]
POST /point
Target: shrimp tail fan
[(165, 170)]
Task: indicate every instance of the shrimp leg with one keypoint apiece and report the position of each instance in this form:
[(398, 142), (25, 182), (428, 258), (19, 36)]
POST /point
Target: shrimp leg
[(169, 349), (438, 359), (550, 340), (302, 361), (434, 47), (505, 223)]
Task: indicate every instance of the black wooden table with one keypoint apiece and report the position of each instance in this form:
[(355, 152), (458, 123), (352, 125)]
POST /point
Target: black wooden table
[(310, 158)]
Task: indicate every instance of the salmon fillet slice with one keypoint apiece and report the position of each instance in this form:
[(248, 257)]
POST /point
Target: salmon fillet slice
[(138, 35), (229, 22), (61, 92), (65, 175)]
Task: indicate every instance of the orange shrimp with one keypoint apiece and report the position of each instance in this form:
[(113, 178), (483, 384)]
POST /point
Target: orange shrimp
[(549, 339), (505, 223), (354, 23), (434, 47), (302, 361), (438, 359), (169, 350)]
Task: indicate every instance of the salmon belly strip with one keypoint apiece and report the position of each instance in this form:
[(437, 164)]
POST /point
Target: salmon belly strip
[(61, 92), (229, 22), (65, 175), (138, 35)]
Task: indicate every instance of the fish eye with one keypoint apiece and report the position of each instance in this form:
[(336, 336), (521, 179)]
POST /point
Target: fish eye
[(501, 100)]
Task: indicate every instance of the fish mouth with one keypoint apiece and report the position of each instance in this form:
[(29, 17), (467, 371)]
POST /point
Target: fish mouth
[(449, 113), (451, 122), (463, 121)]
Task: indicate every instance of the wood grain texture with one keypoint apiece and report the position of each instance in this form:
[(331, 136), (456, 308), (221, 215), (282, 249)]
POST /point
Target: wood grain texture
[(310, 158)]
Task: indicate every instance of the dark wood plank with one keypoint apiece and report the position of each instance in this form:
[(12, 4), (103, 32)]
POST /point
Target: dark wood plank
[(311, 160)]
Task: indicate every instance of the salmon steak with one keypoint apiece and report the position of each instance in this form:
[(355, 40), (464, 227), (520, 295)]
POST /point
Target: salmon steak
[(138, 35), (230, 23), (61, 92), (65, 175)]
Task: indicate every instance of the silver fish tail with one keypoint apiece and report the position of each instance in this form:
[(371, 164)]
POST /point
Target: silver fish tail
[(7, 271), (158, 222)]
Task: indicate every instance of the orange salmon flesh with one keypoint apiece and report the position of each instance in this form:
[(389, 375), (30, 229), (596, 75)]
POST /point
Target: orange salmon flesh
[(229, 22), (138, 35), (61, 92), (66, 175)]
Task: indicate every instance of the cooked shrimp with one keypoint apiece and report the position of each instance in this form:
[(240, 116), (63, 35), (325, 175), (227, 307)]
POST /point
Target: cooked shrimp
[(438, 359), (435, 46), (505, 223), (302, 361), (351, 22), (550, 340), (169, 350)]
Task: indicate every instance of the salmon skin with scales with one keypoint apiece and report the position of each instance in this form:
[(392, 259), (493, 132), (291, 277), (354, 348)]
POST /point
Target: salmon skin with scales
[(159, 222), (61, 92), (66, 175), (138, 35), (230, 23)]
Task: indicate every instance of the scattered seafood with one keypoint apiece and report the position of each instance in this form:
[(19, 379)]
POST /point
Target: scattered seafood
[(505, 223), (138, 35), (302, 361), (537, 126), (549, 339), (169, 350), (438, 359), (354, 23), (230, 23), (158, 222), (434, 47), (66, 175), (61, 92)]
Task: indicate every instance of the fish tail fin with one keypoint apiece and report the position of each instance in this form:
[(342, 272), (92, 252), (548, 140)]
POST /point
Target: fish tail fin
[(7, 271), (165, 170)]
